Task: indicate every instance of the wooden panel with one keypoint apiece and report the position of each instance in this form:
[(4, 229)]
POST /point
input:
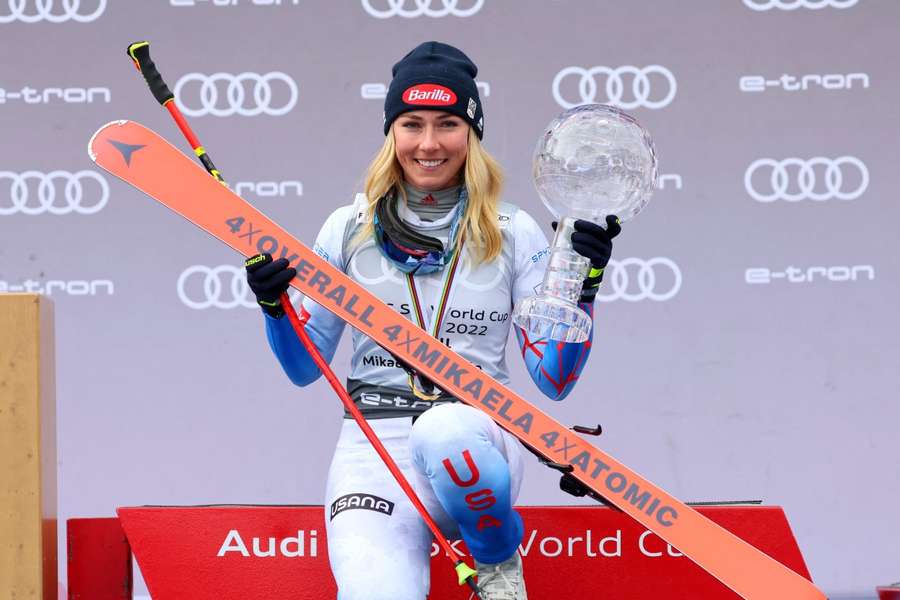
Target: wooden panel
[(27, 448)]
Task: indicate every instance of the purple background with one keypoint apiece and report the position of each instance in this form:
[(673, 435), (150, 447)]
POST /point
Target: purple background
[(783, 391)]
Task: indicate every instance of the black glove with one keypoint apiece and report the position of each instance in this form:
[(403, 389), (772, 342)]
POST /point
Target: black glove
[(269, 279), (594, 243)]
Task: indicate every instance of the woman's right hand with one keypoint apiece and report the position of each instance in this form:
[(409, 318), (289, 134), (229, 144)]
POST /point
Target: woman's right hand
[(269, 279)]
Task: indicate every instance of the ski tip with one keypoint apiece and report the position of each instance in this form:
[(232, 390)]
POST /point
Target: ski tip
[(91, 152)]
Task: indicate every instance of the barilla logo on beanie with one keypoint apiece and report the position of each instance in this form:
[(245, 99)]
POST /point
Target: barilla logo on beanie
[(429, 94)]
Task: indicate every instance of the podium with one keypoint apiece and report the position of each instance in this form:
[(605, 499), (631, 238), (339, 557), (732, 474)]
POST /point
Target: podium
[(264, 552), (27, 448)]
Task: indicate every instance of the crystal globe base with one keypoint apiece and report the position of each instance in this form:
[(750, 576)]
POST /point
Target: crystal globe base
[(552, 318), (554, 313)]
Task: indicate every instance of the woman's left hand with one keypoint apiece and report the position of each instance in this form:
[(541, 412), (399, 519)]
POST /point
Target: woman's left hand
[(594, 243)]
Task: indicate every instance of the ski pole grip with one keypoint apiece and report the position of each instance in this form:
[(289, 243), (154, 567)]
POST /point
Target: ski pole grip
[(140, 54)]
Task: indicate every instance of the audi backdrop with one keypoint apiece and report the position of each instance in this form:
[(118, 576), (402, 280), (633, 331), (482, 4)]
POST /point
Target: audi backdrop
[(746, 336)]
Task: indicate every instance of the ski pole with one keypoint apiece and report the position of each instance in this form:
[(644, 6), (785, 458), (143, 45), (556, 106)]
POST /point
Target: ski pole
[(139, 52)]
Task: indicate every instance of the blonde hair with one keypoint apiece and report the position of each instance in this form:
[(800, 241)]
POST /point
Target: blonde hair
[(482, 177)]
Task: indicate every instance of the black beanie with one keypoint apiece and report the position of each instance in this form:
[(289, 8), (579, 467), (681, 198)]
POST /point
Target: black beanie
[(435, 76)]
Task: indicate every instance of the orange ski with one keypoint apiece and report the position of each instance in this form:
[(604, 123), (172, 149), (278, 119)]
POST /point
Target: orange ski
[(148, 162)]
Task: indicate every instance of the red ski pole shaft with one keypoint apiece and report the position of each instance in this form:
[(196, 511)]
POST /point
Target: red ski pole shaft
[(463, 570), (139, 52)]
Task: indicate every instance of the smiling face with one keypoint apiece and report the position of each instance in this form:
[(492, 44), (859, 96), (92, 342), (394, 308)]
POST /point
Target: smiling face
[(431, 147)]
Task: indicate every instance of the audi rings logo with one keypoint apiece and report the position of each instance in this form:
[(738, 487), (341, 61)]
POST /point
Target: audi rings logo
[(795, 179), (56, 192), (237, 100), (201, 287), (761, 5), (653, 86), (408, 9), (44, 10), (635, 279)]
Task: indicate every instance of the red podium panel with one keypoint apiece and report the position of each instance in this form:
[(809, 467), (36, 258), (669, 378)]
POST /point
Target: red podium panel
[(99, 560), (891, 592), (265, 552)]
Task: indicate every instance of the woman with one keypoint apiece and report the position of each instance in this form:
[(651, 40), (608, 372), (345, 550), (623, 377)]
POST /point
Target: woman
[(430, 237)]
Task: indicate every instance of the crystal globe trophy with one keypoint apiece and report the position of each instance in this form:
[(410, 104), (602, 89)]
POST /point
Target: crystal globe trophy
[(592, 161)]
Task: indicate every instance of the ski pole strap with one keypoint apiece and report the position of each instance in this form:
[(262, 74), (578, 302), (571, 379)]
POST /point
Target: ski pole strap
[(140, 54)]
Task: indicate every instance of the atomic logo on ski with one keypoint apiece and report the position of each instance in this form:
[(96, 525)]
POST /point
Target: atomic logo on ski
[(126, 149)]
